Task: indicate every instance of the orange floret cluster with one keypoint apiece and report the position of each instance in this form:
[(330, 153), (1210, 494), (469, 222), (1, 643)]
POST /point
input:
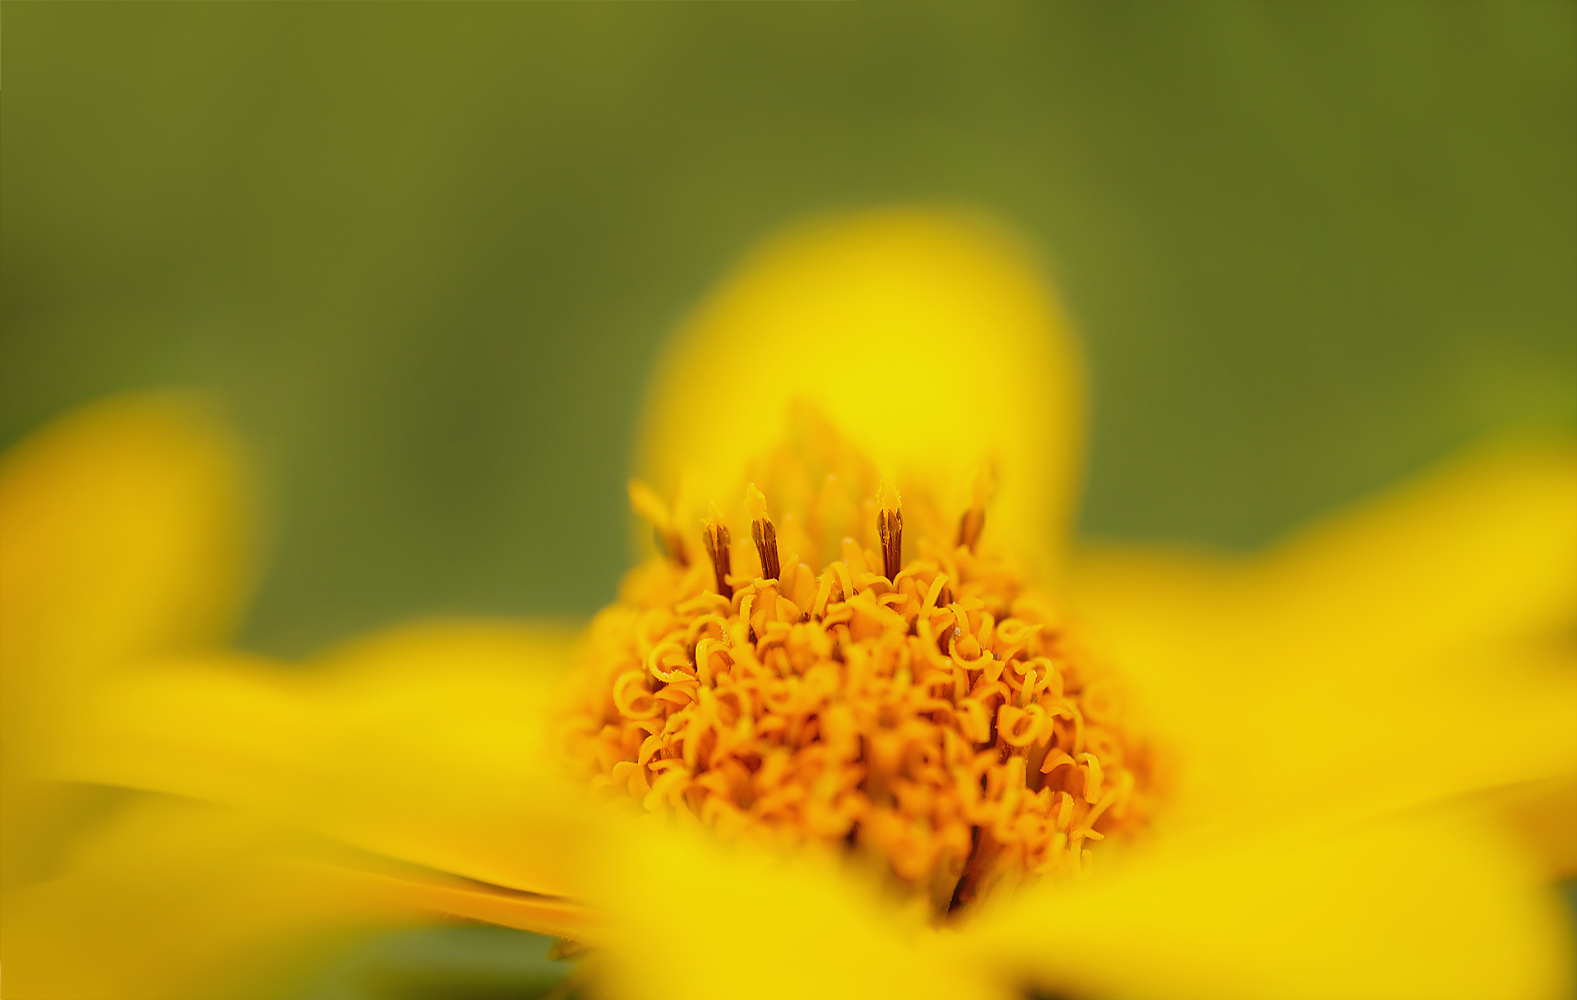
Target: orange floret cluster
[(939, 718)]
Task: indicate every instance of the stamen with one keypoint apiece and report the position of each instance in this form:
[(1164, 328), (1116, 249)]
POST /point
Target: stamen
[(975, 865), (762, 532), (714, 536), (974, 519), (889, 528), (650, 506)]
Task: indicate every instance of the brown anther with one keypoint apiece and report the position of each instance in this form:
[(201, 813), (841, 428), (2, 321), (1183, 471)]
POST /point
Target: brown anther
[(974, 520), (714, 535), (969, 527), (762, 532), (977, 864), (889, 528), (650, 506)]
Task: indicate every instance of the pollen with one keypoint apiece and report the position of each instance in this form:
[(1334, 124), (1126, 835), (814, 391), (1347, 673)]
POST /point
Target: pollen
[(933, 715)]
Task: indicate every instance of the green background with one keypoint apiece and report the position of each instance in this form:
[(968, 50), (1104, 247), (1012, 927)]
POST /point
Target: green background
[(426, 254)]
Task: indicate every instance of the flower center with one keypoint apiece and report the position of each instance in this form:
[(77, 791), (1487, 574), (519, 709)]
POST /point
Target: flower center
[(931, 712)]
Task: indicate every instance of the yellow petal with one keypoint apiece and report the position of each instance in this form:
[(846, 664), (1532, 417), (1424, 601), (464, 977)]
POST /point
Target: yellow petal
[(1429, 908), (1406, 651), (428, 744), (426, 891), (1481, 548), (1241, 747), (1544, 815), (929, 338), (126, 532), (170, 899), (692, 918)]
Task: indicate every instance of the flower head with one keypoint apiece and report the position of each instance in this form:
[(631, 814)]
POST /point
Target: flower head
[(875, 738), (923, 706)]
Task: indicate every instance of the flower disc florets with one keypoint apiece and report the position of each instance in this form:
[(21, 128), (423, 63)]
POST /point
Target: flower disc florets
[(932, 712)]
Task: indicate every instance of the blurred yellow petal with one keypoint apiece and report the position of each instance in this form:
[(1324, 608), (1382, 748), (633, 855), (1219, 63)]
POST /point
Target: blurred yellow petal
[(172, 899), (125, 530), (428, 744), (1408, 650), (930, 339), (689, 917), (1544, 815), (1482, 548), (1244, 748), (432, 892), (1429, 909)]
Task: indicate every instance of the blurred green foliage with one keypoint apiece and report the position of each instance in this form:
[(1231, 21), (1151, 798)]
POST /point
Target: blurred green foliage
[(427, 253), (456, 962)]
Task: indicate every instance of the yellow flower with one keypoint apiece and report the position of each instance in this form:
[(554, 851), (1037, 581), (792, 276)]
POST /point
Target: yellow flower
[(946, 757)]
